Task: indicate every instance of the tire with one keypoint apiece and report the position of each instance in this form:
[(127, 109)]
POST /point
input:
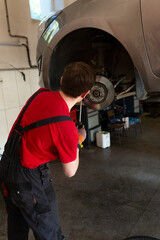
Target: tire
[(141, 238)]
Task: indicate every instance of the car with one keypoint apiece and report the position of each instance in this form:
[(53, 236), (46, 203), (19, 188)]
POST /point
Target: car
[(120, 39)]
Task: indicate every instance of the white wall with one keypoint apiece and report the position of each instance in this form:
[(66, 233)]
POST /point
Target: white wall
[(14, 92), (68, 2), (20, 24)]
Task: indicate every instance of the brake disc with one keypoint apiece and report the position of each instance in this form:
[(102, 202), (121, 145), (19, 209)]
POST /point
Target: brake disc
[(101, 94)]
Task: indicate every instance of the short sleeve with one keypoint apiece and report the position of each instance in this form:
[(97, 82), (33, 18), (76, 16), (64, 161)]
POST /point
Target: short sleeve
[(66, 141)]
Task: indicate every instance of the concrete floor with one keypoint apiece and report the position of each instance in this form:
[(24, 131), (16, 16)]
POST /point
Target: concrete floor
[(115, 193)]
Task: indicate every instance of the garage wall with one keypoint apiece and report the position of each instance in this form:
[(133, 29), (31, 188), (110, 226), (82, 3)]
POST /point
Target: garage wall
[(20, 24), (68, 2), (14, 91)]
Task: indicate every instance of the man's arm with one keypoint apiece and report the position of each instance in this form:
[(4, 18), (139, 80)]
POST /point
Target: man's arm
[(70, 168)]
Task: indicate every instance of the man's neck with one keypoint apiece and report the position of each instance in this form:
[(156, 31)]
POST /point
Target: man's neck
[(70, 101)]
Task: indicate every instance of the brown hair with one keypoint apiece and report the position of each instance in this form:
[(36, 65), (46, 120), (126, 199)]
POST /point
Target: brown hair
[(78, 78)]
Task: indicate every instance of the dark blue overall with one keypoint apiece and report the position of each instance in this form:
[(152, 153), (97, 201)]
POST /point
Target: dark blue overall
[(28, 193)]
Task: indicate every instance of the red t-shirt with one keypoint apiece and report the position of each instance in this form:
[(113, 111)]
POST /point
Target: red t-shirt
[(47, 143)]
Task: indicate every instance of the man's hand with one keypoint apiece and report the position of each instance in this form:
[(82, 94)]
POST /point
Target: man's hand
[(82, 135)]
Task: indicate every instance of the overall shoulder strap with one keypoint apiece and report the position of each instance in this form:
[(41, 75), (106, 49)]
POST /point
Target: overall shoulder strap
[(47, 121), (29, 102)]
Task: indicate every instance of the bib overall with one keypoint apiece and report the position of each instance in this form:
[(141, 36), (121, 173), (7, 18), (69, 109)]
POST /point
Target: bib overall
[(28, 193)]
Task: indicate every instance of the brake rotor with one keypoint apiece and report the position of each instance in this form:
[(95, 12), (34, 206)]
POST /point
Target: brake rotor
[(101, 94)]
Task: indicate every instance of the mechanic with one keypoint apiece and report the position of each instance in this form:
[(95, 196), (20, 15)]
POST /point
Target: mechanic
[(34, 204)]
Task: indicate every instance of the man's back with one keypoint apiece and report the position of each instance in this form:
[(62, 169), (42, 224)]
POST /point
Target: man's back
[(47, 143)]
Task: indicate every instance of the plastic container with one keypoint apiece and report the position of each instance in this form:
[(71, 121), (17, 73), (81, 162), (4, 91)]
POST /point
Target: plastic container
[(103, 139)]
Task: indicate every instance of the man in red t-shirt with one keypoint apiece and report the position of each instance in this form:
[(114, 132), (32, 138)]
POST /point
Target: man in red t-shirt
[(33, 205)]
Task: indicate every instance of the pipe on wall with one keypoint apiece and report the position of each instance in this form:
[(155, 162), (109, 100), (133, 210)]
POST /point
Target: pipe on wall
[(10, 44)]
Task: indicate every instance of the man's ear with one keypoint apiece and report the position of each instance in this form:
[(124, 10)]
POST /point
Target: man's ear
[(61, 80), (85, 94)]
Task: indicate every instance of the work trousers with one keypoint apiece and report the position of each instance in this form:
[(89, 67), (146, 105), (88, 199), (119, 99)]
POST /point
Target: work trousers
[(33, 206)]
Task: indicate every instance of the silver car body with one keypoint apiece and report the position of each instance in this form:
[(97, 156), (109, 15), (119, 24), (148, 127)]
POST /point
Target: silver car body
[(122, 36)]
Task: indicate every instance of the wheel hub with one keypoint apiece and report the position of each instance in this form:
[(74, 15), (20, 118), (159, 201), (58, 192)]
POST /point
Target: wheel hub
[(101, 94)]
